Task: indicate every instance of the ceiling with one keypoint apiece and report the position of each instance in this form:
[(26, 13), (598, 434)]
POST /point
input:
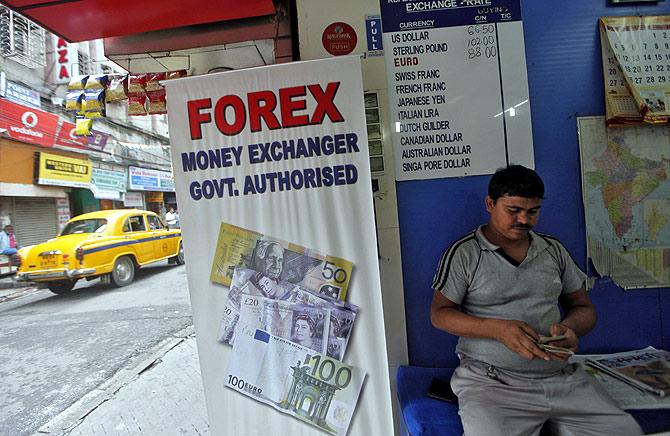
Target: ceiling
[(84, 20), (202, 60), (207, 47)]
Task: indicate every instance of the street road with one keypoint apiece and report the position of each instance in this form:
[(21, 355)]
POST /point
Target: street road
[(55, 349)]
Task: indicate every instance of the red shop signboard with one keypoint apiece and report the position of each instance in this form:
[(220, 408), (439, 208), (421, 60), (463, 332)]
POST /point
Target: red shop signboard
[(28, 124), (67, 138)]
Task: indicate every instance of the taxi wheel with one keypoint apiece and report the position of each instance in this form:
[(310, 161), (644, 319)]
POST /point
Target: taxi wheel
[(123, 272), (62, 287), (179, 258)]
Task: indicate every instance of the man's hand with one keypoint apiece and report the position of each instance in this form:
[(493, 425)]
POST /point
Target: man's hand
[(519, 337), (570, 342), (515, 335)]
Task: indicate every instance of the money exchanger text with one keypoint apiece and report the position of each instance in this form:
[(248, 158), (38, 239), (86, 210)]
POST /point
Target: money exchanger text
[(286, 149)]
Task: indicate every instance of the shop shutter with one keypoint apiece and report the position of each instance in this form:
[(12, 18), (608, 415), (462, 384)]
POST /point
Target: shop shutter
[(35, 220)]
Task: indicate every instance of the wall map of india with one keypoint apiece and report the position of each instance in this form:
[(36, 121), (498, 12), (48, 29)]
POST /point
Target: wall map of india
[(626, 191)]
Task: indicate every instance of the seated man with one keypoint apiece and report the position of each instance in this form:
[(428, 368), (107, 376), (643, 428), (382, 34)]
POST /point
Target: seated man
[(499, 288), (8, 244)]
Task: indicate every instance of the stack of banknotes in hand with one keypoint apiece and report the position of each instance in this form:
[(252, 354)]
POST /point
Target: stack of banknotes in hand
[(289, 324), (545, 344)]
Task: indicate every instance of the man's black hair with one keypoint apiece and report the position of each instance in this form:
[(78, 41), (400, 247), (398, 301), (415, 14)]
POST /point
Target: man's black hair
[(516, 181)]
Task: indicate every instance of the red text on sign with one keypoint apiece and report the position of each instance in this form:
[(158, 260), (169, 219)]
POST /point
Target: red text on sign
[(230, 112)]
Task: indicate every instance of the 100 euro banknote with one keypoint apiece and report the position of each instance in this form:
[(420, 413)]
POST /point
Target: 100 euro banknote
[(279, 260), (295, 380), (248, 283)]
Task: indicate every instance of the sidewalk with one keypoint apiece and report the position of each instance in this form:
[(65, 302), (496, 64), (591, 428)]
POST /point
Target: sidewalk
[(9, 282), (10, 288), (160, 395)]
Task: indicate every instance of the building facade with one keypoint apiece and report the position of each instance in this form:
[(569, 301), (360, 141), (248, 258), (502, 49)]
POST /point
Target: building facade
[(37, 133)]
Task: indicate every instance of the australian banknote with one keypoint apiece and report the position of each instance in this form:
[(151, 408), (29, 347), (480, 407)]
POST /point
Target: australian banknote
[(295, 380), (279, 260)]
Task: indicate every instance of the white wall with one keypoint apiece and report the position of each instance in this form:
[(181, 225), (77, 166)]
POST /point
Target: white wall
[(5, 211), (313, 17)]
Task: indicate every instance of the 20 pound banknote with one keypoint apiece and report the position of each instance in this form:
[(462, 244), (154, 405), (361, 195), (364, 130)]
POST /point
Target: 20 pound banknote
[(307, 325), (295, 380), (279, 260), (254, 290)]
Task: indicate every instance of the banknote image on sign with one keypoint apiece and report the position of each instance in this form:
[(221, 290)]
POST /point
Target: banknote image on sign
[(295, 380), (277, 209), (286, 310), (278, 260), (286, 305)]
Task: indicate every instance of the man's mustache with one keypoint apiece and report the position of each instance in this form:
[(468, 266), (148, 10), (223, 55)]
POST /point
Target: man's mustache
[(522, 227)]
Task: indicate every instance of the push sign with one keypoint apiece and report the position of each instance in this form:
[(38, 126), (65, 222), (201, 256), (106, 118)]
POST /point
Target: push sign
[(373, 31)]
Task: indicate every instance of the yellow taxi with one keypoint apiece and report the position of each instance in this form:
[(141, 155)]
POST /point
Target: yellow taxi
[(108, 243)]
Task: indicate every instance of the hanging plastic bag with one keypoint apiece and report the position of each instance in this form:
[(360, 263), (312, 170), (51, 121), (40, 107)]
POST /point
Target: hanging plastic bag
[(77, 83), (73, 100), (83, 127), (137, 104), (117, 88), (156, 102), (94, 101)]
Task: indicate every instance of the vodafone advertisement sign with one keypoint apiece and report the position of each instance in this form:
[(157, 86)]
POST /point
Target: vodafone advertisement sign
[(28, 124), (339, 39)]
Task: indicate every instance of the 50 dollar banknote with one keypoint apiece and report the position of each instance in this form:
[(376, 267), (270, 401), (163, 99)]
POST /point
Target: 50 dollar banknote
[(295, 380), (279, 260)]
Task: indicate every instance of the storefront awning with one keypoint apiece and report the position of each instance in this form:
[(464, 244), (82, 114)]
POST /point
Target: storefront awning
[(85, 20)]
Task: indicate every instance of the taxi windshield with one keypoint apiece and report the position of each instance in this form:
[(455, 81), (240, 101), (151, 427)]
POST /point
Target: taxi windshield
[(96, 225)]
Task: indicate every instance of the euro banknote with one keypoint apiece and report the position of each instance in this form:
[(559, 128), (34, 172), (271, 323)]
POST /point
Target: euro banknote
[(279, 260), (295, 380)]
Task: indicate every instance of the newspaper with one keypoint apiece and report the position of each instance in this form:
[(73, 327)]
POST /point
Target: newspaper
[(295, 380), (279, 260), (626, 396), (647, 369)]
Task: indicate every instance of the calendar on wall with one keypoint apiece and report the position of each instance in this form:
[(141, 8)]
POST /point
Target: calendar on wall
[(636, 68)]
